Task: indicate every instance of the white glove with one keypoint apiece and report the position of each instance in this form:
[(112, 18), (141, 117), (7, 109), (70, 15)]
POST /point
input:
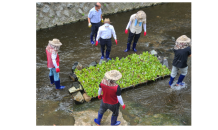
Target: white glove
[(89, 24)]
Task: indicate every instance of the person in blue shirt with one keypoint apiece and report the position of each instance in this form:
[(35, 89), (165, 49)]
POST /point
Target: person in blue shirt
[(94, 20), (182, 51), (104, 33)]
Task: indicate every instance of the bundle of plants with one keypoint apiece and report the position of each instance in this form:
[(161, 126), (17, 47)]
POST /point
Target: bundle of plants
[(135, 69)]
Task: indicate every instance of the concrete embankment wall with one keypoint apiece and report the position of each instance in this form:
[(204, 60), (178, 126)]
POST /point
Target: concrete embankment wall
[(50, 14)]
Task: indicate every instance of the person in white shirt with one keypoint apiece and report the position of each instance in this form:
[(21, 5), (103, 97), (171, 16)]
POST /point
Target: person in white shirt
[(94, 20), (53, 62), (135, 24), (104, 33)]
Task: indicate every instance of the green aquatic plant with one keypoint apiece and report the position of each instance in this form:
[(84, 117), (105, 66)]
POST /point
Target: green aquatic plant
[(134, 68)]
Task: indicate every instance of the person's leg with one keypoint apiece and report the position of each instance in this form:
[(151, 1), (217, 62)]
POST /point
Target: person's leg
[(136, 38), (101, 111), (96, 30), (57, 79), (102, 43), (173, 75), (115, 110), (129, 40), (108, 44), (184, 71), (51, 76), (92, 34)]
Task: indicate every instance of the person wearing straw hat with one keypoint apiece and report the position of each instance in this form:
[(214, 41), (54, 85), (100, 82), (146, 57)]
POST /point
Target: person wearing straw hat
[(111, 98), (53, 62), (104, 33), (94, 20), (135, 24), (182, 51)]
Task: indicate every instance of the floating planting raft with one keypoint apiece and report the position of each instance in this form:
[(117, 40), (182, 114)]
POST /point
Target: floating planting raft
[(135, 70)]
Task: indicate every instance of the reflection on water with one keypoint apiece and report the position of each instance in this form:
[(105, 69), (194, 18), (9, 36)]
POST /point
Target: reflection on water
[(151, 104)]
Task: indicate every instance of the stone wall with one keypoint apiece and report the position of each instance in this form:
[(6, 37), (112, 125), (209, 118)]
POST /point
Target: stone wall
[(50, 14)]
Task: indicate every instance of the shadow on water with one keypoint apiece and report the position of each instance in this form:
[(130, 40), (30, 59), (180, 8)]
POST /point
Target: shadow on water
[(151, 104)]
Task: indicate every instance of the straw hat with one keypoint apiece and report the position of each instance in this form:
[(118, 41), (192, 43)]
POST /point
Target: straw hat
[(183, 39), (107, 20), (55, 42), (140, 16), (113, 75)]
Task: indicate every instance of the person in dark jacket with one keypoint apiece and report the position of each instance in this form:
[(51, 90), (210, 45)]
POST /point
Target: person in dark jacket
[(111, 98), (182, 51)]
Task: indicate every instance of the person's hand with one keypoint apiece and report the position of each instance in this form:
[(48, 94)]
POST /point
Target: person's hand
[(124, 106), (126, 31), (116, 41), (96, 43), (144, 33), (57, 70), (99, 96), (102, 20), (90, 25)]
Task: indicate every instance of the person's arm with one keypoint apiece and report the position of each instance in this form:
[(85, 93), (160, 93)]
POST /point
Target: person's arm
[(53, 57), (99, 92), (114, 34), (89, 16), (119, 97), (144, 26), (189, 56), (98, 34)]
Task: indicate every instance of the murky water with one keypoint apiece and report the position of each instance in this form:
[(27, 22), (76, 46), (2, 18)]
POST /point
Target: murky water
[(151, 104)]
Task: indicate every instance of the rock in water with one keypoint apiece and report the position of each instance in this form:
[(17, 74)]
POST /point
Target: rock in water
[(76, 65), (79, 97), (94, 63), (76, 87), (73, 77), (165, 62), (86, 97), (153, 52)]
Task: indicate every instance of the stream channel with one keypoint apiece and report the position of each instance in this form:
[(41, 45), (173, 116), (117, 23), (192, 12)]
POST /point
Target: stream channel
[(151, 104)]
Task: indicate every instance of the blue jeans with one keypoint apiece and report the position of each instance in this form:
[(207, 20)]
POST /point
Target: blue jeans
[(174, 71), (54, 73)]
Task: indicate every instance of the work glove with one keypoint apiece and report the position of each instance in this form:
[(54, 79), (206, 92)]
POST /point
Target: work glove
[(126, 31), (144, 33), (124, 106), (100, 96), (89, 25), (102, 20), (57, 70), (116, 41), (96, 43)]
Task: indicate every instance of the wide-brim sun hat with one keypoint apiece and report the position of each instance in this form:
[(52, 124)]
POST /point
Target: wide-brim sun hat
[(107, 20), (55, 42), (113, 75), (141, 16), (183, 39)]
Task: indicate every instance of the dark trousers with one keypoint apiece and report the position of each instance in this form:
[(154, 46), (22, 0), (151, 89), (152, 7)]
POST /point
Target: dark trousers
[(114, 108), (133, 35), (94, 30), (107, 43)]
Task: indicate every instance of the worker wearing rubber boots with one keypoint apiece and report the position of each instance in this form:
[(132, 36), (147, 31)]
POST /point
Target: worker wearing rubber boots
[(182, 51), (111, 98), (94, 20), (104, 33), (135, 24), (53, 62)]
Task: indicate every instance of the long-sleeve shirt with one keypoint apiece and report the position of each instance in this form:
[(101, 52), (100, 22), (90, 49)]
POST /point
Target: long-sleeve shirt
[(106, 32), (95, 16), (135, 29), (53, 57)]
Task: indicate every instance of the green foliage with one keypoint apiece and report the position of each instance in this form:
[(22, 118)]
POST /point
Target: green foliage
[(83, 14), (134, 68), (104, 4)]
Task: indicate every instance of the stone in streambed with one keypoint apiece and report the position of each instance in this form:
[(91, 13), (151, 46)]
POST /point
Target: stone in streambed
[(79, 97), (86, 97)]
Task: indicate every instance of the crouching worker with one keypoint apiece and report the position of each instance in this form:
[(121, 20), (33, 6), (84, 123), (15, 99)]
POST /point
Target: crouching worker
[(53, 62), (111, 98), (182, 51)]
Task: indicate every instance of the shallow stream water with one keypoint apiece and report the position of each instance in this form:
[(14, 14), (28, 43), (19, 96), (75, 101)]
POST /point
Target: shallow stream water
[(151, 104)]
